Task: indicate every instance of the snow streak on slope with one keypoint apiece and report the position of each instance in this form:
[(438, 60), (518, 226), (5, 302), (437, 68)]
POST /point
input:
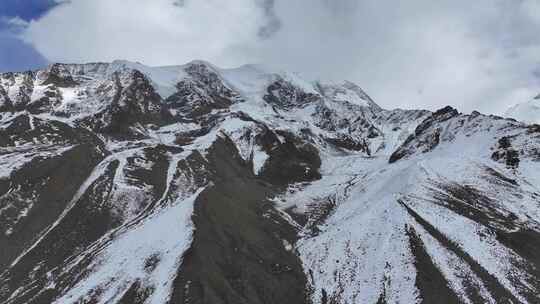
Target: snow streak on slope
[(12, 159), (148, 254), (372, 228), (96, 173), (361, 252)]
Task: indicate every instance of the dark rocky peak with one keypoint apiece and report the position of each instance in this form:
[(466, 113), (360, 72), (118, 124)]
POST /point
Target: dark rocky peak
[(285, 95), (447, 124), (136, 92), (438, 116), (427, 135), (59, 75), (16, 90), (537, 97), (203, 91), (42, 91), (445, 113), (135, 103)]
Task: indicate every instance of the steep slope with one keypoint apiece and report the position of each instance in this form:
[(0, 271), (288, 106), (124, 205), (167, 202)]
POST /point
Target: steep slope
[(122, 183), (528, 111)]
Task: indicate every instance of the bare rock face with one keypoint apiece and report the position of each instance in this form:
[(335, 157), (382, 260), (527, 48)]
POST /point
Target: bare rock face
[(285, 95), (506, 153), (123, 183), (59, 75), (201, 92), (426, 136)]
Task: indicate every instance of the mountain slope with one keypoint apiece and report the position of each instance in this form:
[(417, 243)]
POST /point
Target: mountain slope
[(122, 183), (528, 111)]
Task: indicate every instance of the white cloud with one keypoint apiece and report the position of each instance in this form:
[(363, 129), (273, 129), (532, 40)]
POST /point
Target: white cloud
[(417, 53), (154, 32)]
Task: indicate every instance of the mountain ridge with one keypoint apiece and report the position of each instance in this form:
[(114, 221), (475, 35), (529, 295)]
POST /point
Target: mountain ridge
[(528, 112)]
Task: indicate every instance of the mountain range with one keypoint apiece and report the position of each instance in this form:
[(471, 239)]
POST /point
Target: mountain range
[(124, 183)]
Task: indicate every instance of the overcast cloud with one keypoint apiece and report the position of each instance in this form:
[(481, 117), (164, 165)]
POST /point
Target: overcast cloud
[(482, 54)]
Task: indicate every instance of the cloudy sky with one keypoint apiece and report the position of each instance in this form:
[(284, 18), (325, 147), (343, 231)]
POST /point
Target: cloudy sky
[(475, 55)]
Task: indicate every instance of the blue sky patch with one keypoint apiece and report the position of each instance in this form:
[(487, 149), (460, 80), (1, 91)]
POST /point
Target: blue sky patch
[(15, 54), (25, 9)]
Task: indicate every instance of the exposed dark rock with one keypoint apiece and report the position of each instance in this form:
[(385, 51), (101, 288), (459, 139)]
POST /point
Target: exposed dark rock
[(433, 286), (497, 291), (133, 107), (506, 153), (534, 129), (199, 95), (284, 95), (137, 103), (500, 177), (91, 220), (317, 214), (469, 202), (5, 102), (20, 131), (426, 136), (445, 113), (93, 214), (58, 75), (48, 184), (292, 161), (348, 143), (328, 119), (136, 294), (237, 255)]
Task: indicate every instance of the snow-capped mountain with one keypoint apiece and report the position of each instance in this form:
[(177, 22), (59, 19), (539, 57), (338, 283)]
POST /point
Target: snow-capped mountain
[(528, 112), (123, 183)]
